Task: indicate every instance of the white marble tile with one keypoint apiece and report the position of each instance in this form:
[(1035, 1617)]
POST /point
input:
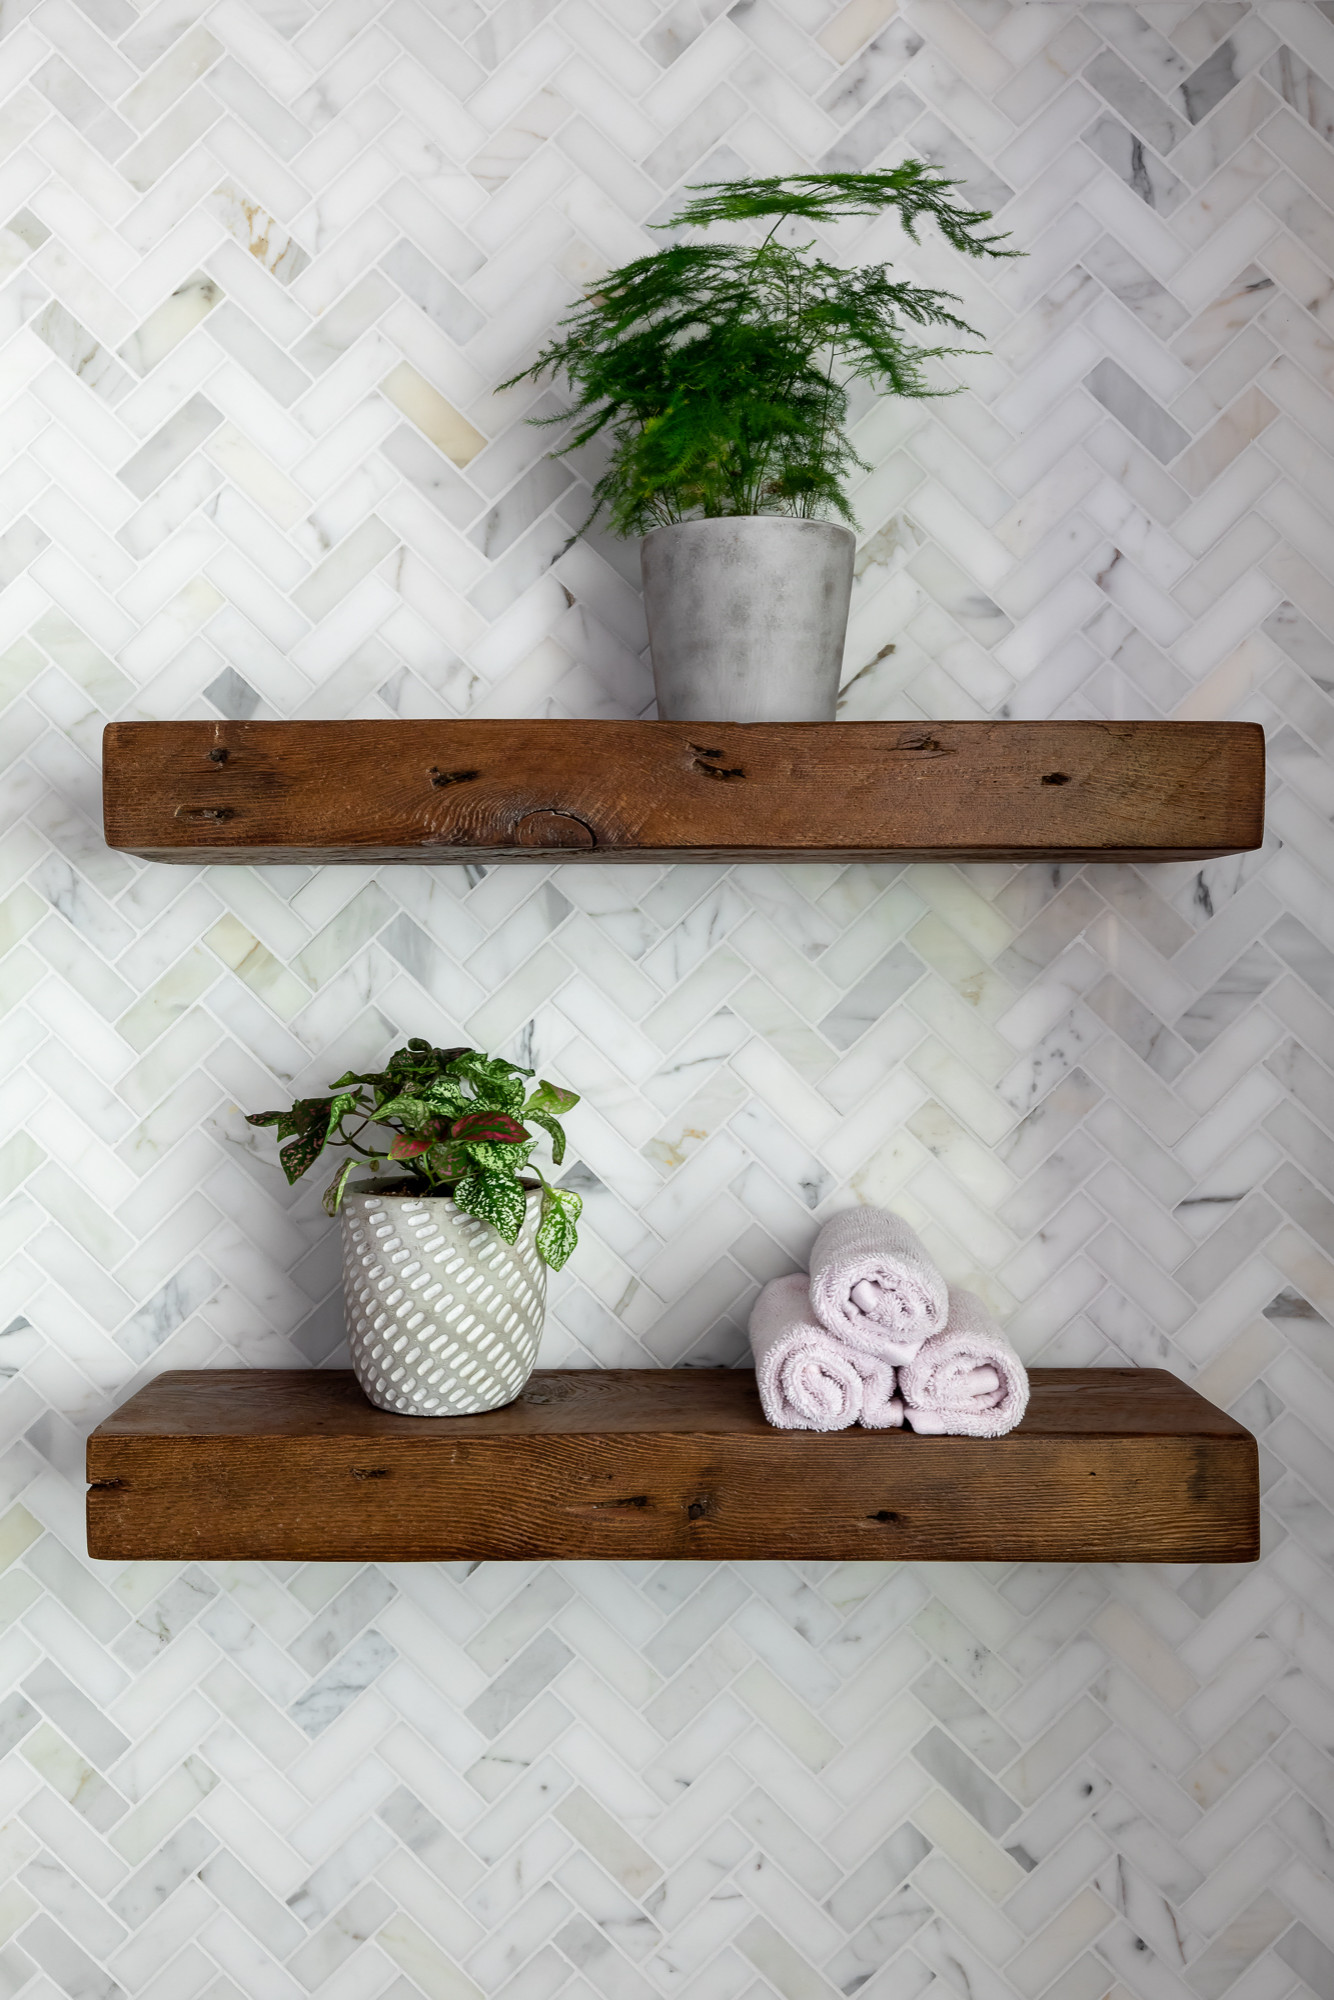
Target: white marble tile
[(1066, 1077)]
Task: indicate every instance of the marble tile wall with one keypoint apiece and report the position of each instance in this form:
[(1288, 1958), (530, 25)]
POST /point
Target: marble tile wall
[(263, 263)]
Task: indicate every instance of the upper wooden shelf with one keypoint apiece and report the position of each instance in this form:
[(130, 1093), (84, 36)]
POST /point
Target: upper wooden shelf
[(1109, 1465), (669, 791)]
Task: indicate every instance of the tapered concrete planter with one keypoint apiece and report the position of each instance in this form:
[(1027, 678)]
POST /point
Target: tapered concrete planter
[(747, 617), (443, 1316)]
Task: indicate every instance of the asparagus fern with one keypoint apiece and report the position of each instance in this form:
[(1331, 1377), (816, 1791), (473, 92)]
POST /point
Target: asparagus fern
[(720, 372)]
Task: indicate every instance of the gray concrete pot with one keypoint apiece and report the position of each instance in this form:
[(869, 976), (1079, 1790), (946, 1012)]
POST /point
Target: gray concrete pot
[(747, 616), (443, 1316)]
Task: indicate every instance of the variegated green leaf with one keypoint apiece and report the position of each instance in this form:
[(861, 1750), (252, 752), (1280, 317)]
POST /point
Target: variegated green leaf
[(498, 1083), (553, 1127), (556, 1233), (493, 1198), (413, 1112), (445, 1095), (508, 1160), (345, 1100), (550, 1097), (332, 1199)]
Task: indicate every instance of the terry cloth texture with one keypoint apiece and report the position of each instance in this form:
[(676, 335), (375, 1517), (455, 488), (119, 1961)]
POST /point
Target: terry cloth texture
[(873, 1284), (967, 1381)]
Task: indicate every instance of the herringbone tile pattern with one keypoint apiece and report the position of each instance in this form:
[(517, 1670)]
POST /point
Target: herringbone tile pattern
[(263, 261)]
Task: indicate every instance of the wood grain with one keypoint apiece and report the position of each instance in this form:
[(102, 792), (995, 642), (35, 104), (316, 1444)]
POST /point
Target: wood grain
[(663, 791), (1110, 1465)]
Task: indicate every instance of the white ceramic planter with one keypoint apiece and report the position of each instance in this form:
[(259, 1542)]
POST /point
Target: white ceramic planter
[(443, 1316), (747, 617)]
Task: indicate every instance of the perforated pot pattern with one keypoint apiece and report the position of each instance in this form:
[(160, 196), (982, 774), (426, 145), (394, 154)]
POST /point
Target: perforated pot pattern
[(443, 1316)]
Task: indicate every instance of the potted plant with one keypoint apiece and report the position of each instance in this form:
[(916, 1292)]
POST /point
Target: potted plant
[(444, 1265), (720, 373)]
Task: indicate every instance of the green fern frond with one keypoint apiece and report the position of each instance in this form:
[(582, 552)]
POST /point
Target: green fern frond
[(717, 373)]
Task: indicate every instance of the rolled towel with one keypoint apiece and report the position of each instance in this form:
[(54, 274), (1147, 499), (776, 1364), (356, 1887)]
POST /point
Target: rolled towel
[(967, 1381), (873, 1284), (882, 1408), (807, 1380)]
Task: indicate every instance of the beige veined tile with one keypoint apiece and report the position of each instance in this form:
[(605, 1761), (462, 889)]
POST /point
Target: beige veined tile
[(72, 1777), (781, 1964), (1215, 450), (257, 476), (192, 300), (448, 431), (957, 1834), (423, 1962), (260, 970), (853, 25), (258, 232), (1144, 1653), (781, 1711), (19, 1155), (167, 999), (607, 1841), (1056, 1946), (17, 1530), (16, 1906)]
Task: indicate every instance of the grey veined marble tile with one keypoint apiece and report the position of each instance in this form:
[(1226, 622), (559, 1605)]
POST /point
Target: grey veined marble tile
[(339, 1685), (1303, 642), (1243, 982), (1312, 1961), (1142, 108), (82, 354), (872, 71), (170, 446), (1143, 172), (878, 127), (1135, 408), (74, 1715), (1208, 85), (518, 1683), (1128, 280), (993, 1809), (872, 997), (1301, 87)]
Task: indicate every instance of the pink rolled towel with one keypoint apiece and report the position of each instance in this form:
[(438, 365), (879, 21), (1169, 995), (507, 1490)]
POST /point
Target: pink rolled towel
[(967, 1381), (808, 1381), (882, 1408), (873, 1284)]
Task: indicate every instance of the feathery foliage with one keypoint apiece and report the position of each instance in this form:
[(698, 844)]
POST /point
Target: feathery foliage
[(720, 371), (461, 1119)]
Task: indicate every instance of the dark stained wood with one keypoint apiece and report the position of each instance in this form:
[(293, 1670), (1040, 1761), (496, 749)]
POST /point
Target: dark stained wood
[(1110, 1465), (666, 791)]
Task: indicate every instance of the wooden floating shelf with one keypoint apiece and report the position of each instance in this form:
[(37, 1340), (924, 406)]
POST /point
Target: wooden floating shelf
[(1109, 1465), (668, 791)]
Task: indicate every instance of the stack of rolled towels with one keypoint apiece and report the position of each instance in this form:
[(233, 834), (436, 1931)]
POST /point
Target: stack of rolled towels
[(875, 1336)]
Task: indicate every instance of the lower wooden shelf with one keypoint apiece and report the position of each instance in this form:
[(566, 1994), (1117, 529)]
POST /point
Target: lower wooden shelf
[(1110, 1465)]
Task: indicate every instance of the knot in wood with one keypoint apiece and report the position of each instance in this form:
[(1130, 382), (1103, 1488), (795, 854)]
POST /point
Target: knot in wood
[(555, 830)]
